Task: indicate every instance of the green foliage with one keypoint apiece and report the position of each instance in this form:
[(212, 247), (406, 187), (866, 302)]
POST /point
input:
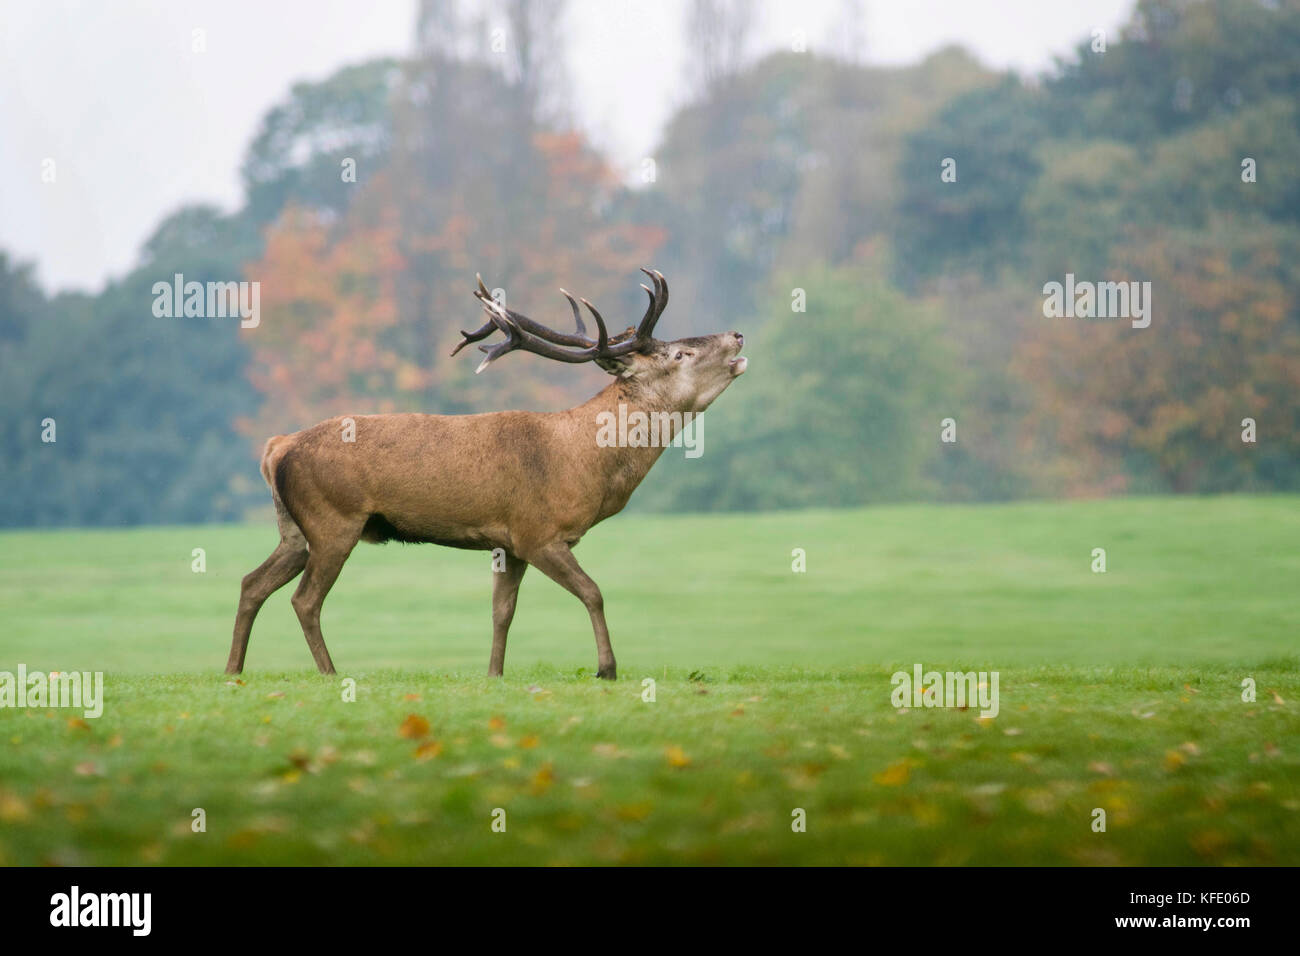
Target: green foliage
[(839, 407), (975, 222), (298, 153), (143, 410), (1127, 165)]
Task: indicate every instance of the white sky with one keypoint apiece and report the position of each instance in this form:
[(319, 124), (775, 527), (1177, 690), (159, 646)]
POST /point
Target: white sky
[(138, 124)]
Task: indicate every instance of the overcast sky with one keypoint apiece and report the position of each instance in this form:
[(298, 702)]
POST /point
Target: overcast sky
[(137, 123)]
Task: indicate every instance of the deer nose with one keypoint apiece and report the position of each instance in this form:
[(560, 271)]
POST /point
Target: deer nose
[(740, 339)]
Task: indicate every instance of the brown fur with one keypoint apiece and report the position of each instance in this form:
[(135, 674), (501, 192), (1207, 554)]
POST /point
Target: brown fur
[(528, 483)]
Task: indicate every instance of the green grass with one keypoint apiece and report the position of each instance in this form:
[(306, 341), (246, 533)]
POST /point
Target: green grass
[(1119, 691)]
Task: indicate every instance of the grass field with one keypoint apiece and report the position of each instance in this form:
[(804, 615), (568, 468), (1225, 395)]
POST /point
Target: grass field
[(1120, 691)]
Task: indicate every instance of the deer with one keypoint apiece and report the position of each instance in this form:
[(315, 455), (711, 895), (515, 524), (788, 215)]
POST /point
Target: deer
[(525, 485)]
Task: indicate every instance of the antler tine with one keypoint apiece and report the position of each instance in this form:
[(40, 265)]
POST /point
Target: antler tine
[(577, 316), (653, 308), (476, 336), (484, 330), (602, 336), (661, 285)]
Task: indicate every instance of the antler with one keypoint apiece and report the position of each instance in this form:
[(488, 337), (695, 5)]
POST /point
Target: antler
[(524, 334)]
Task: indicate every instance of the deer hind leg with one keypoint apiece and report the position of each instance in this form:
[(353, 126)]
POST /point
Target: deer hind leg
[(284, 564), (324, 562), (557, 562), (505, 592)]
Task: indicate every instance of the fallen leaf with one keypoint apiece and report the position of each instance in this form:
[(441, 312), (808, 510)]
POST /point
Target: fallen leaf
[(413, 727), (677, 757), (12, 807), (428, 750), (896, 774), (543, 779)]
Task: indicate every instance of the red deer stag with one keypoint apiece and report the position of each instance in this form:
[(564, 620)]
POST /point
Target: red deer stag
[(530, 484)]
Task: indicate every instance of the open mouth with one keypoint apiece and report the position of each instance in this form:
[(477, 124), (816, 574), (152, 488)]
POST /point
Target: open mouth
[(738, 365)]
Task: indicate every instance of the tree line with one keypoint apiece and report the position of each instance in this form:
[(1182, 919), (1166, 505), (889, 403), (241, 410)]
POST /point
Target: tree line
[(883, 237)]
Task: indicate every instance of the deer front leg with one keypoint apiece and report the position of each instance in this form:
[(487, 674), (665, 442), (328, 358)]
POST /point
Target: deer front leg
[(505, 591), (557, 562)]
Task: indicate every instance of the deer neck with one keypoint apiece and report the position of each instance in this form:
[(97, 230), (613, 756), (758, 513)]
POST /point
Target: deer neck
[(624, 432)]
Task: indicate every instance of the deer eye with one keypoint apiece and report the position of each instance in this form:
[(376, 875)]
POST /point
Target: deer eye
[(678, 356)]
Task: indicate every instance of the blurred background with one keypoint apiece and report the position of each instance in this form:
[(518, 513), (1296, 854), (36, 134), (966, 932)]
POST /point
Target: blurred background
[(780, 162)]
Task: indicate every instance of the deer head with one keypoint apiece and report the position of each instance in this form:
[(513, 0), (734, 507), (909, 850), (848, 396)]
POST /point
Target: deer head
[(681, 375)]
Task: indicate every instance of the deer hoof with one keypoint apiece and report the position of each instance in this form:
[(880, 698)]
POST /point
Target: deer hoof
[(608, 673)]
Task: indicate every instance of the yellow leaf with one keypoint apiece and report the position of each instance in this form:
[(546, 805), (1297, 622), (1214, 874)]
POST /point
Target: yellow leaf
[(677, 757), (896, 774), (1174, 760), (12, 808), (497, 723), (413, 727), (428, 750), (528, 741), (543, 779)]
